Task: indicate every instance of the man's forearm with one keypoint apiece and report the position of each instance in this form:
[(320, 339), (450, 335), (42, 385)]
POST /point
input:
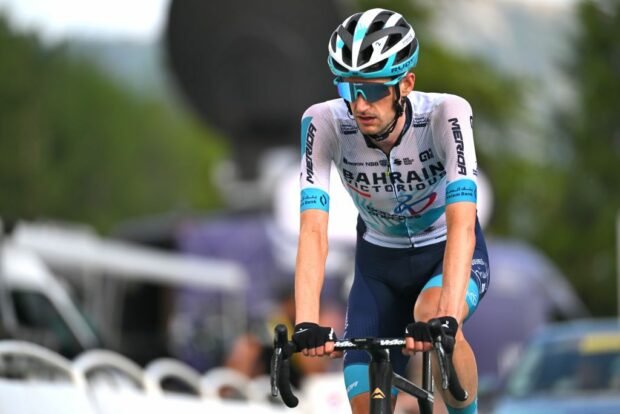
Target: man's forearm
[(309, 274), (457, 268)]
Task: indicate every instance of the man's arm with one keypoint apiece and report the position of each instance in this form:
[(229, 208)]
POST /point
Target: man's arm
[(310, 272), (461, 222), (453, 126), (318, 140), (310, 265)]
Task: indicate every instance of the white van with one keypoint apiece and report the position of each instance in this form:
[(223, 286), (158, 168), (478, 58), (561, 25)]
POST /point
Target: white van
[(134, 294), (34, 306)]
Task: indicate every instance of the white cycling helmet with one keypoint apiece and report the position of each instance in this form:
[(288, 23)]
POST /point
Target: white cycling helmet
[(377, 43)]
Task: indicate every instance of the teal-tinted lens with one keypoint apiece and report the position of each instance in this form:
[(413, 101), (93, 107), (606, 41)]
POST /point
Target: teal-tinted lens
[(344, 91), (371, 92)]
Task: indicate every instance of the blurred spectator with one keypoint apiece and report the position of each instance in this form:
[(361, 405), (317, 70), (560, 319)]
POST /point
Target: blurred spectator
[(251, 352)]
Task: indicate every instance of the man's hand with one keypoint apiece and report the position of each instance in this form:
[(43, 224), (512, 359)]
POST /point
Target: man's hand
[(419, 335), (417, 338), (447, 327), (314, 340)]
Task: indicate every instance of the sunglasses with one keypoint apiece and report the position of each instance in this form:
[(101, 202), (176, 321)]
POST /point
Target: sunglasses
[(371, 92)]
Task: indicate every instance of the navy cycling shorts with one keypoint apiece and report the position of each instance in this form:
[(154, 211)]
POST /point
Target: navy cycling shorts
[(386, 285)]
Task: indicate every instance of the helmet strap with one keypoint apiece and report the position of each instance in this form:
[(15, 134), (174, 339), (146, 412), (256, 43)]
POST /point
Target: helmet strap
[(399, 109)]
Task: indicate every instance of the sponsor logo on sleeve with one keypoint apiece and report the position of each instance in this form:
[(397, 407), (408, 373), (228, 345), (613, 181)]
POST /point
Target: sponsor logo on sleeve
[(458, 140), (309, 149)]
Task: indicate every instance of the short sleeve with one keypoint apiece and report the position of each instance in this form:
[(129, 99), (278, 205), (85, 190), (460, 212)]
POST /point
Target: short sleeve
[(317, 143), (453, 127)]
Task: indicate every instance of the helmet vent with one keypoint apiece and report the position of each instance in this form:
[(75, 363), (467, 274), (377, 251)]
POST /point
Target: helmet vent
[(376, 67), (332, 41), (375, 26), (382, 18), (392, 40), (406, 52), (353, 23), (365, 55), (346, 55), (339, 66)]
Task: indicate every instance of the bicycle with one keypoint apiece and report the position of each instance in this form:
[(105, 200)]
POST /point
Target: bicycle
[(381, 375)]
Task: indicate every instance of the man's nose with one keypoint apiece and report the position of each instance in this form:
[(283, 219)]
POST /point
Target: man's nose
[(360, 103)]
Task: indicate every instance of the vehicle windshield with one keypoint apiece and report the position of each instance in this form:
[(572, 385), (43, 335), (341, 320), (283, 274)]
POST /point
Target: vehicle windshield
[(590, 365), (35, 311)]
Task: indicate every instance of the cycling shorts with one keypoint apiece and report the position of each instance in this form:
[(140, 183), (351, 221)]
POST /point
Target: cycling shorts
[(386, 285)]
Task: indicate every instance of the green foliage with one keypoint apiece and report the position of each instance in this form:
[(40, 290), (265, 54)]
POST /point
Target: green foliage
[(76, 146), (443, 70), (485, 89), (417, 13), (581, 236), (566, 201)]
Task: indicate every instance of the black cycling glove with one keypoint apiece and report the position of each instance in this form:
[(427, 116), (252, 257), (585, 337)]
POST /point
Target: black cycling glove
[(310, 335), (446, 326), (418, 331)]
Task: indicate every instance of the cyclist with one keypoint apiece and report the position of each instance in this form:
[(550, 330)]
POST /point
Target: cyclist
[(407, 160)]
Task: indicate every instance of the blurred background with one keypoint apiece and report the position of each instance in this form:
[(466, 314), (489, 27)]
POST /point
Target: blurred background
[(149, 161)]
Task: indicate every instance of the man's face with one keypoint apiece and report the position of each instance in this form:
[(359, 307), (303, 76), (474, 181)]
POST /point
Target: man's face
[(372, 102), (373, 117)]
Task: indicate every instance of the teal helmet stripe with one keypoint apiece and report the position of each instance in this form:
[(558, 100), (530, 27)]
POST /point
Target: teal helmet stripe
[(360, 32)]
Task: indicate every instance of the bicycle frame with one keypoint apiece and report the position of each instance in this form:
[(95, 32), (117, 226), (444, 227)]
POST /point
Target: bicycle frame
[(382, 377), (381, 374)]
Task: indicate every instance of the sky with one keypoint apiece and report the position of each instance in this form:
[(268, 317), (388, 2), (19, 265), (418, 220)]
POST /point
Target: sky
[(141, 20), (56, 20)]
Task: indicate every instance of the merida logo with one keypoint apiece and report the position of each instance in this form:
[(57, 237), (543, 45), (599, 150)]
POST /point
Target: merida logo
[(309, 145), (458, 140), (377, 394)]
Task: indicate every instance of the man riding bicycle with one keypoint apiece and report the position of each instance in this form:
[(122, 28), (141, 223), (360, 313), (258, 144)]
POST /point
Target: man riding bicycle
[(407, 160)]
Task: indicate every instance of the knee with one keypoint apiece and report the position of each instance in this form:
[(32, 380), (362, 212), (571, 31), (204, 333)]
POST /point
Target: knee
[(425, 307), (422, 312)]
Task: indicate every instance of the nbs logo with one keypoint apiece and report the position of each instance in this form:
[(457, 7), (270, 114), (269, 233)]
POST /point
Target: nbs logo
[(458, 140), (309, 145)]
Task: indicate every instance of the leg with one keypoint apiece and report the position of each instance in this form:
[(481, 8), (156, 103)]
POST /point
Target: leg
[(463, 357), (372, 311), (380, 303)]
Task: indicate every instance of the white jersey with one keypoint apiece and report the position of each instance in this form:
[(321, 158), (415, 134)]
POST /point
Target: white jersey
[(402, 196)]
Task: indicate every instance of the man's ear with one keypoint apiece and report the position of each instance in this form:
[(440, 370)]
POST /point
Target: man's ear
[(406, 85)]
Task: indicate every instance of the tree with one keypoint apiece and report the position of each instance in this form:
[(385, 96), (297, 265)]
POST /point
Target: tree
[(76, 146), (581, 234)]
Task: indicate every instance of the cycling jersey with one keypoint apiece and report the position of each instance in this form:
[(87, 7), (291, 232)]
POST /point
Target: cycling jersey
[(402, 196)]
